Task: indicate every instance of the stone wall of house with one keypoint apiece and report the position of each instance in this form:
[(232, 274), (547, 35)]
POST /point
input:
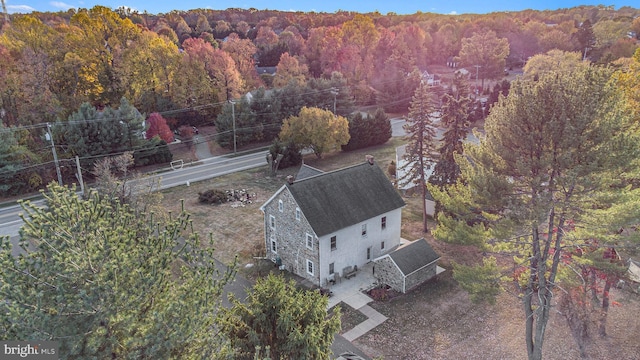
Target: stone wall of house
[(290, 235), (416, 278), (386, 272)]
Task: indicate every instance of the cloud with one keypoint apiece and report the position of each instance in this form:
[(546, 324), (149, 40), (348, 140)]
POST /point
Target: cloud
[(453, 12), (19, 9), (61, 5)]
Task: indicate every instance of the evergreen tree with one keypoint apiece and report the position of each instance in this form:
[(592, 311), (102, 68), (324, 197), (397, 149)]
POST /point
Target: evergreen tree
[(292, 323), (14, 156), (381, 127), (365, 131), (105, 281), (455, 117), (266, 108), (421, 138), (553, 150), (288, 153), (585, 37), (247, 128)]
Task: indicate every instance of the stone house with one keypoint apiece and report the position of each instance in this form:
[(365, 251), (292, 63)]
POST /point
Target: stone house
[(408, 266), (325, 225)]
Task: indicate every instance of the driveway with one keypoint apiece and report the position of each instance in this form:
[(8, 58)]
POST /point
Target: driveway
[(202, 147)]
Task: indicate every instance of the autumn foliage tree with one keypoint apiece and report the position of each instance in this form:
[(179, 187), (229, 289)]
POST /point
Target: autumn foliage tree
[(318, 129), (289, 69), (485, 54), (158, 127)]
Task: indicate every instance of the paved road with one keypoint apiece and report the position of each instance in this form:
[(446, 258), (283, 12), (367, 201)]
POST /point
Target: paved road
[(210, 168), (10, 221)]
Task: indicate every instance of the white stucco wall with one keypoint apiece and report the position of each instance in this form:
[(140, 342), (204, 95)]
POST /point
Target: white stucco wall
[(351, 246)]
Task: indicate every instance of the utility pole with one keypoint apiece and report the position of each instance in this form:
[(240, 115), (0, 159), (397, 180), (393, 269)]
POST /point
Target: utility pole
[(4, 10), (79, 175), (233, 117), (334, 91), (476, 89), (49, 137)]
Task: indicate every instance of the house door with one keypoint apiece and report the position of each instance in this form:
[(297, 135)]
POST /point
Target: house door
[(369, 253)]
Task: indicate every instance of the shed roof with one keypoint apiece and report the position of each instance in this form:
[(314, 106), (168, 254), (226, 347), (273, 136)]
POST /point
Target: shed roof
[(413, 256), (335, 200), (307, 171)]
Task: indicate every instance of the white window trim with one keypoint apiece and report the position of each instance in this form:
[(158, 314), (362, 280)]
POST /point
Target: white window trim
[(298, 214), (272, 242), (312, 267), (272, 222), (306, 241), (383, 223), (364, 230), (280, 206), (331, 247)]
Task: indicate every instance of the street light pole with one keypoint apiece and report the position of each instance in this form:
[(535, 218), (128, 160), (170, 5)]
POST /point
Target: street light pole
[(49, 135), (233, 117)]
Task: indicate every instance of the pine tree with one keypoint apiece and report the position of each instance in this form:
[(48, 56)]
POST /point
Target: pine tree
[(421, 137), (105, 281), (292, 323), (553, 149), (455, 116)]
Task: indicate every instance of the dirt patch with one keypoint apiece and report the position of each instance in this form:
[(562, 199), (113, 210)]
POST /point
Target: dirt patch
[(438, 321), (349, 317)]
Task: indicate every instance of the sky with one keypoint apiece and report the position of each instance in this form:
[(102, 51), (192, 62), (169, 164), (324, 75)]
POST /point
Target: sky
[(328, 6)]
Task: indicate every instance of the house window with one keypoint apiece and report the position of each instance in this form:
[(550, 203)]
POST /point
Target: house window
[(364, 229), (280, 205), (382, 245), (272, 222), (368, 253), (334, 241), (309, 241), (331, 268), (274, 246), (383, 223), (298, 214), (309, 267)]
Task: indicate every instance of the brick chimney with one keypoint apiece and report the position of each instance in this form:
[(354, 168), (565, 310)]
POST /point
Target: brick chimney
[(370, 159), (290, 179)]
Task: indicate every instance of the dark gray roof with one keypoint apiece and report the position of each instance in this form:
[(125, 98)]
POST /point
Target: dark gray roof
[(414, 256), (335, 200), (307, 171)]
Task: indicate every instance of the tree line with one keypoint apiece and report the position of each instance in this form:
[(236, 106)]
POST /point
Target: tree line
[(187, 66)]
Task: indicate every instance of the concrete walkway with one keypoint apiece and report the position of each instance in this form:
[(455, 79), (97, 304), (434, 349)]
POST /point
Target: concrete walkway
[(351, 292), (374, 319)]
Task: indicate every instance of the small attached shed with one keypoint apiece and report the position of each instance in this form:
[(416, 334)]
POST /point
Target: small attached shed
[(408, 266)]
